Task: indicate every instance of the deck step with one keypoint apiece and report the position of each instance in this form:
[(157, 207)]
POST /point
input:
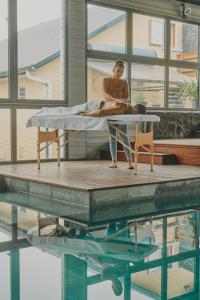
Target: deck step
[(187, 151), (196, 134), (144, 157)]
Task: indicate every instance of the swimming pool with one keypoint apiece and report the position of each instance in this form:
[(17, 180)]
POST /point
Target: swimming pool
[(168, 267)]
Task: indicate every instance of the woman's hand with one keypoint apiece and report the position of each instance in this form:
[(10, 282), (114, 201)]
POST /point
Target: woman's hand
[(108, 97)]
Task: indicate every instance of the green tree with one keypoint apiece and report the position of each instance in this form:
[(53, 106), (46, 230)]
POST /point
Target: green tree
[(188, 90)]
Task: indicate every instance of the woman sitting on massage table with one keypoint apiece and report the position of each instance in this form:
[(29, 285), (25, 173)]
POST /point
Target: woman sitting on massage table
[(116, 103)]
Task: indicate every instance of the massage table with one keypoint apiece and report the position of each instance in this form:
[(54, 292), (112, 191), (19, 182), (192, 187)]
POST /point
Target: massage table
[(56, 120)]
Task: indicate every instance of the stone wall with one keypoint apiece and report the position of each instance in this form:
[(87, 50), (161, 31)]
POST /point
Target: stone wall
[(174, 125)]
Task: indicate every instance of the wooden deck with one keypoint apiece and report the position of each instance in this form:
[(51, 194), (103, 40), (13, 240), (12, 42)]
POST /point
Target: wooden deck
[(91, 193), (96, 175)]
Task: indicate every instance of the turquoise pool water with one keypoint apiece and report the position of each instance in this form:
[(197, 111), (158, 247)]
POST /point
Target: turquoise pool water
[(151, 258)]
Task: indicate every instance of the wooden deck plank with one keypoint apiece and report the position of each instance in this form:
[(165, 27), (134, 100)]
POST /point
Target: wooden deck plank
[(88, 175)]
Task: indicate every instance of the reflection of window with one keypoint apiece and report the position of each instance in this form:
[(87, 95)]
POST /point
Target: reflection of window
[(157, 32), (22, 93), (173, 35)]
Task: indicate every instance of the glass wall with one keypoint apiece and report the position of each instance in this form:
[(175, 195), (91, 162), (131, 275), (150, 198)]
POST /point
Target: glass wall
[(162, 72), (103, 31), (5, 140), (33, 276), (40, 49), (183, 88), (5, 275), (97, 70), (152, 42), (3, 49), (147, 85), (27, 138), (32, 48), (184, 42)]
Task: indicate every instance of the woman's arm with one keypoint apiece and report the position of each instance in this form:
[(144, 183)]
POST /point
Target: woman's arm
[(126, 91)]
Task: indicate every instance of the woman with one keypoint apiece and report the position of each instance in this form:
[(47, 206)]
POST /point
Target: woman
[(115, 89)]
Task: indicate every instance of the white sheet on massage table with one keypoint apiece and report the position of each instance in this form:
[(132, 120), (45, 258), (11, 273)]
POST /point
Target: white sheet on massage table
[(78, 122)]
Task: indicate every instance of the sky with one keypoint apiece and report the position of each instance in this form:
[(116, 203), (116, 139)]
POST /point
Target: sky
[(30, 13)]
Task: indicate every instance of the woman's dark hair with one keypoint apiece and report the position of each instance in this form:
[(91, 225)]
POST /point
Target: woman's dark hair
[(141, 109), (119, 63)]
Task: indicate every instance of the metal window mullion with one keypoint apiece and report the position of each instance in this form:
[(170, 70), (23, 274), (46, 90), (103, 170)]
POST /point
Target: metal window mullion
[(65, 79), (14, 257), (198, 100), (12, 42), (183, 64), (129, 45), (14, 274), (13, 126), (12, 73), (96, 54), (164, 267), (167, 59), (197, 259)]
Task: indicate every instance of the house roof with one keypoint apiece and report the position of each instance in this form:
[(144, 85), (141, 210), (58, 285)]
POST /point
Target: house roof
[(142, 72), (36, 45), (99, 15), (40, 44)]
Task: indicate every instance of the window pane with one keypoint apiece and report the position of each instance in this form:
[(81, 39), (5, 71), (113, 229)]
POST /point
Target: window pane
[(5, 221), (5, 275), (184, 41), (184, 270), (183, 88), (3, 49), (180, 233), (152, 42), (106, 29), (147, 85), (26, 219), (97, 70), (27, 138), (5, 153), (40, 275), (149, 281), (40, 49)]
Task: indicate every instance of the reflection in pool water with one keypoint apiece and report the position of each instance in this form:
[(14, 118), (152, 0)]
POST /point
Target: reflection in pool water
[(150, 258)]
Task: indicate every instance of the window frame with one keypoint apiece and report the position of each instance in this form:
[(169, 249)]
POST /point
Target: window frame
[(129, 58), (12, 102)]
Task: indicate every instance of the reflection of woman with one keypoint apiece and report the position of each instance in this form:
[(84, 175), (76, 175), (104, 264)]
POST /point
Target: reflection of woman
[(116, 90)]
